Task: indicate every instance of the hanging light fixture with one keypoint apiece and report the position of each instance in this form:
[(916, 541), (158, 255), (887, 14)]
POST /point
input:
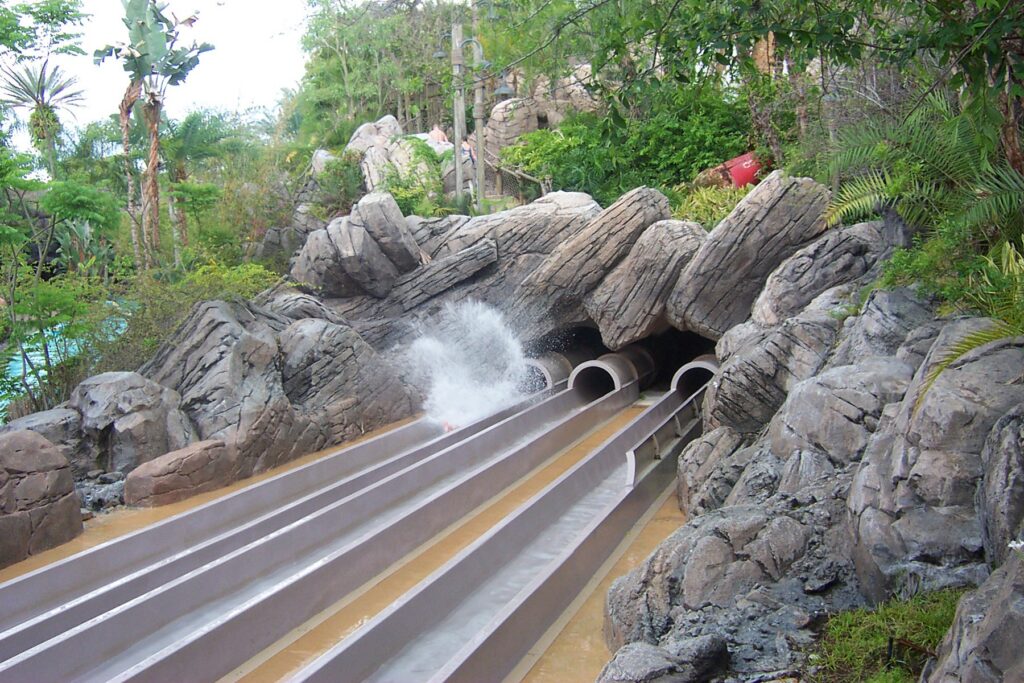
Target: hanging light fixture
[(503, 91)]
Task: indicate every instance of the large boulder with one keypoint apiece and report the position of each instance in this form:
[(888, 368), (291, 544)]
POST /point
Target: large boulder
[(837, 257), (912, 503), (836, 412), (509, 120), (432, 233), (318, 265), (882, 326), (378, 132), (692, 660), (629, 304), (63, 428), (38, 505), (766, 364), (360, 257), (197, 468), (716, 289), (129, 419), (984, 643), (271, 388), (379, 215), (575, 267)]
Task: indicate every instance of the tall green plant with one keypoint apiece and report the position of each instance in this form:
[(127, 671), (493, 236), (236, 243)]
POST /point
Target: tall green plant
[(154, 61)]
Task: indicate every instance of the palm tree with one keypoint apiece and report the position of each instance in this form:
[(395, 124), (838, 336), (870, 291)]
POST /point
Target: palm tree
[(197, 137), (153, 59), (44, 91)]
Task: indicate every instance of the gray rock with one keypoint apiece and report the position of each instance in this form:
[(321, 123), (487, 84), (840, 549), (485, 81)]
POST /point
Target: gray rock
[(431, 233), (697, 464), (629, 304), (690, 660), (755, 380), (378, 214), (292, 303), (375, 133), (754, 575), (1000, 499), (885, 321), (318, 266), (837, 411), (718, 286), (557, 287), (836, 258), (911, 505), (129, 419), (321, 158), (444, 273), (271, 388), (984, 642), (38, 505), (197, 468), (361, 258)]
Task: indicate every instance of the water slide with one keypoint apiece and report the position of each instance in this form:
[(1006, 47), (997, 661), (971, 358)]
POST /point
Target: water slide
[(193, 597)]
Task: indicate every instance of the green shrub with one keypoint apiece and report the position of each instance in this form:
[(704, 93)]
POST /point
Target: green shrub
[(155, 309), (708, 205), (419, 192), (606, 156), (889, 643), (341, 185)]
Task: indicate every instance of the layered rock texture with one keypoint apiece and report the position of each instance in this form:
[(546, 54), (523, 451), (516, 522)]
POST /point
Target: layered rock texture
[(38, 504)]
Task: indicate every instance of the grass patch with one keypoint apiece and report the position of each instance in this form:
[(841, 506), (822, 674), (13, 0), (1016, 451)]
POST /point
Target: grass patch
[(889, 644)]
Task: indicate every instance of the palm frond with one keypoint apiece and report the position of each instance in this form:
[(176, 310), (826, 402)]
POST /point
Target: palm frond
[(960, 348), (999, 200), (860, 198)]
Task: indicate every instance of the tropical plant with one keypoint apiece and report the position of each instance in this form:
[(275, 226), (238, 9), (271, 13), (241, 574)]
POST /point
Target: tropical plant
[(154, 61), (197, 137), (44, 91), (932, 167), (708, 205), (996, 291)]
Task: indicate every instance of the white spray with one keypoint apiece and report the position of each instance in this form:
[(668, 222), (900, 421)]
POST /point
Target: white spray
[(469, 362)]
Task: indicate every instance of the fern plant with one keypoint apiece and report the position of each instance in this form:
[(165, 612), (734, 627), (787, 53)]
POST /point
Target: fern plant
[(933, 168), (997, 291)]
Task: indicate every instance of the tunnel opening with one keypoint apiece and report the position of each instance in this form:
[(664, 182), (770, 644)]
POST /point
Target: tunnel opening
[(568, 340), (672, 350), (690, 377), (594, 379)]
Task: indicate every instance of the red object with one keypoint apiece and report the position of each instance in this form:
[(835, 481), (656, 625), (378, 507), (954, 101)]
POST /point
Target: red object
[(743, 169)]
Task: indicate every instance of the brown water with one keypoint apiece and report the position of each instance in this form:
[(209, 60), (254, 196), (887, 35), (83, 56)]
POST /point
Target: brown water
[(107, 527), (578, 651), (321, 633)]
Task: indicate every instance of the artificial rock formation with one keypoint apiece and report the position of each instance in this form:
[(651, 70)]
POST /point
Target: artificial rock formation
[(273, 389), (629, 304), (197, 468), (557, 287), (718, 286), (38, 505)]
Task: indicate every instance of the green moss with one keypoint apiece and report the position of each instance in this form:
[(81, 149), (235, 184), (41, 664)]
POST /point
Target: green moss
[(889, 644)]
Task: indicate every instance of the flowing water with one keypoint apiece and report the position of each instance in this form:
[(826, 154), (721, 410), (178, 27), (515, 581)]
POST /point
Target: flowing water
[(469, 363)]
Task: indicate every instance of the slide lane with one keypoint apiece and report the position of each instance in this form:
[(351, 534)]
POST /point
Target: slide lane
[(201, 624), (475, 618)]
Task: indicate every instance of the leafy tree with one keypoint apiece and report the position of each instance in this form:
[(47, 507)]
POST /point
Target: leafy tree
[(154, 61), (41, 28), (198, 137)]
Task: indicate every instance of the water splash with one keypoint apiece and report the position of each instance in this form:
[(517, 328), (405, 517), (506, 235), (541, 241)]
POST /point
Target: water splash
[(469, 363)]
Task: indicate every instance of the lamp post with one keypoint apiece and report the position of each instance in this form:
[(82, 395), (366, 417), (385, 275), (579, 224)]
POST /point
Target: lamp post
[(459, 120)]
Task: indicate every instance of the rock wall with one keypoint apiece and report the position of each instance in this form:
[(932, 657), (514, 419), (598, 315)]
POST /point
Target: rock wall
[(38, 504)]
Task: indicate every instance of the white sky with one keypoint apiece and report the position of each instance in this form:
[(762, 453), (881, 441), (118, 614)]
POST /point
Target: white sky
[(257, 54)]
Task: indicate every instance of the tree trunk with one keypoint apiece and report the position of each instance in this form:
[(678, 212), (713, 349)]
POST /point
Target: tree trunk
[(178, 217), (151, 183), (139, 246), (1010, 107)]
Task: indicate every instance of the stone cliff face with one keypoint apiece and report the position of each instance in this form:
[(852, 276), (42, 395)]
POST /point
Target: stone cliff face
[(828, 476)]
